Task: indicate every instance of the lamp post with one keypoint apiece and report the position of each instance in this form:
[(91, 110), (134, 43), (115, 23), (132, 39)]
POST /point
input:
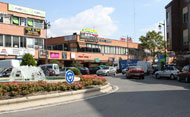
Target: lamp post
[(165, 46)]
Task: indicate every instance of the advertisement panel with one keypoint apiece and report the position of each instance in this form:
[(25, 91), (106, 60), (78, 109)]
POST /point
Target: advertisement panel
[(54, 55), (26, 10), (89, 34), (32, 31), (16, 51)]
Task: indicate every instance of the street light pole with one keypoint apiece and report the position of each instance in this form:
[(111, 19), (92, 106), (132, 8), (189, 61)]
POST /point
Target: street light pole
[(165, 46)]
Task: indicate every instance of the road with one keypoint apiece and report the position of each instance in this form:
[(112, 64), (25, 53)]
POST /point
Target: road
[(135, 98)]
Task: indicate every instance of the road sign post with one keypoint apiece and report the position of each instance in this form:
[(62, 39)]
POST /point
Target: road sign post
[(69, 76)]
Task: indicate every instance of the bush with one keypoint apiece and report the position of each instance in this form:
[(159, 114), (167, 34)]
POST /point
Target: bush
[(76, 71), (28, 59)]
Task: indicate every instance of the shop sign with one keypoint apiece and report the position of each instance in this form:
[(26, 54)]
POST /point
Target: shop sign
[(54, 55), (43, 53), (89, 34), (64, 55), (69, 38), (26, 10), (128, 39), (16, 51), (97, 60), (83, 56), (32, 31), (73, 55)]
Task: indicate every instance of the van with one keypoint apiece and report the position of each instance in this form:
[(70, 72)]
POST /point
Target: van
[(9, 63), (146, 66), (54, 67)]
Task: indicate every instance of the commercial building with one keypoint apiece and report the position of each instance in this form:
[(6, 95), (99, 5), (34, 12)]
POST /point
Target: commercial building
[(178, 27), (22, 30), (92, 50)]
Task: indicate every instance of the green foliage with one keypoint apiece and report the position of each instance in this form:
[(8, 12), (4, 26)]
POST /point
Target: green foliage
[(28, 59), (76, 71), (57, 62), (76, 64), (154, 42)]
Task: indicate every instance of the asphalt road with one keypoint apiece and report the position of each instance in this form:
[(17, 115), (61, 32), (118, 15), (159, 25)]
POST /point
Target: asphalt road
[(135, 98)]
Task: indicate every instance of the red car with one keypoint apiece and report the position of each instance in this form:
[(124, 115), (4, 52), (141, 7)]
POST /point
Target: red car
[(135, 71)]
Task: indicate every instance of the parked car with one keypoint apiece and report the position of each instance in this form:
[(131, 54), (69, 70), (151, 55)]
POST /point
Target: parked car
[(48, 71), (184, 75), (83, 70), (169, 72), (124, 70), (135, 71), (52, 67), (93, 70), (64, 70), (108, 70)]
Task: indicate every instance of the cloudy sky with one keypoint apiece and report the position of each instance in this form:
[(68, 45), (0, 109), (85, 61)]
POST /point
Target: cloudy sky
[(111, 18)]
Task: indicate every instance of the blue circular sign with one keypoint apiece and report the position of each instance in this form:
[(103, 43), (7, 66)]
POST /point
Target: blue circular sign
[(69, 76)]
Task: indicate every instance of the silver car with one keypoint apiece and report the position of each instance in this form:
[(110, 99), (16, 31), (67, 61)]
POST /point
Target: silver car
[(64, 70), (106, 71), (169, 72)]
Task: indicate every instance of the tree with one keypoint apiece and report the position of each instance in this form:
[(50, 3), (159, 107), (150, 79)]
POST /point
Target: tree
[(28, 59), (154, 42), (61, 64), (76, 64)]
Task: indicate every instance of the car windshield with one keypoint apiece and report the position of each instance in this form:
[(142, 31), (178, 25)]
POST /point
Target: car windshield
[(135, 67), (50, 67), (106, 68)]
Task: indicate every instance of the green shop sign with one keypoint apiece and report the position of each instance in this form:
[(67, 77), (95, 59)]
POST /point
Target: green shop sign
[(26, 10)]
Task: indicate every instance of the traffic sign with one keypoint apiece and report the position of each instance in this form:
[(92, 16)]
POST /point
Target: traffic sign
[(69, 76)]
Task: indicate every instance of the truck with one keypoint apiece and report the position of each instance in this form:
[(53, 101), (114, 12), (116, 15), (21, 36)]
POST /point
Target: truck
[(146, 66), (9, 63), (122, 64)]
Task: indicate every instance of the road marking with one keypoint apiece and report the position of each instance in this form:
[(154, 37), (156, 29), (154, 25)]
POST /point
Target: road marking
[(116, 88)]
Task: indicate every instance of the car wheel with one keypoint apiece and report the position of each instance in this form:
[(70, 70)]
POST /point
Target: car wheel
[(186, 79), (107, 74), (114, 74), (157, 76), (172, 77)]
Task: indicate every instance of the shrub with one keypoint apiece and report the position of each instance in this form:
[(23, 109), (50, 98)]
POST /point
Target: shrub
[(13, 93), (28, 59), (76, 71)]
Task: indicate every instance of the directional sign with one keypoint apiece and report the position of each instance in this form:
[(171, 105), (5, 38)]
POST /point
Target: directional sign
[(69, 76)]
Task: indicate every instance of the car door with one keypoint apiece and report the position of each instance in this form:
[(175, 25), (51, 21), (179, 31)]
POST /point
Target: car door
[(168, 72)]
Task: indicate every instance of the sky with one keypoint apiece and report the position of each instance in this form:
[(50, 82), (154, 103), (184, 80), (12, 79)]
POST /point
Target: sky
[(112, 19)]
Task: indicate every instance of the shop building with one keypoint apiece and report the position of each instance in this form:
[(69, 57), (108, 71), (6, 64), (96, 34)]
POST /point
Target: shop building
[(22, 30), (92, 50)]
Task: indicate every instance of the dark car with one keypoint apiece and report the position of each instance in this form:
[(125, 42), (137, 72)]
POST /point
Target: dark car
[(184, 75), (84, 70), (135, 71), (47, 71), (93, 70)]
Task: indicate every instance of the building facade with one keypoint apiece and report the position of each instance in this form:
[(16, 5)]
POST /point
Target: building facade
[(21, 31), (91, 51), (178, 26)]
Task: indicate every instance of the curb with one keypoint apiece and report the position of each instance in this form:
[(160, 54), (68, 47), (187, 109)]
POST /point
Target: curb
[(41, 100)]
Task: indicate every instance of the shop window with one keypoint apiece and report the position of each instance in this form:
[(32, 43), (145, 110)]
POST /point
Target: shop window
[(1, 17), (185, 37), (30, 22), (30, 42), (15, 42), (23, 21), (15, 20), (117, 50), (185, 14), (7, 41), (22, 42), (1, 40)]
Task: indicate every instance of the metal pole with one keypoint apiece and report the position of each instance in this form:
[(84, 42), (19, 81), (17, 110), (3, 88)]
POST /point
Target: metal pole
[(165, 46)]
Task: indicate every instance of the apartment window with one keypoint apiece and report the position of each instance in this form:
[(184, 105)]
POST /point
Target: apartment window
[(168, 17), (41, 43), (1, 17), (30, 22), (15, 41), (7, 41), (88, 45), (117, 50), (102, 49), (22, 42), (23, 21), (1, 40), (185, 14), (185, 37), (38, 24), (7, 19), (126, 51), (15, 20)]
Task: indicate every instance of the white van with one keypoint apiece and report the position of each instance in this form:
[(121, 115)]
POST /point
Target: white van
[(146, 66), (9, 63), (54, 67)]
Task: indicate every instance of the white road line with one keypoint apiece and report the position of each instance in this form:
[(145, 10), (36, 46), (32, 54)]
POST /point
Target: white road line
[(116, 88)]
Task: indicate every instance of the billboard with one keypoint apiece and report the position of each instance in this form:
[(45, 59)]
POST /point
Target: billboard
[(89, 34)]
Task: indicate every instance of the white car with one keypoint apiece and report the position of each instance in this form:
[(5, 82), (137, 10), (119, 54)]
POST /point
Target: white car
[(107, 71), (169, 72)]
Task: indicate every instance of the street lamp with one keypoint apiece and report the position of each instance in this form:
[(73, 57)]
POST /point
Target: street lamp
[(165, 46)]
